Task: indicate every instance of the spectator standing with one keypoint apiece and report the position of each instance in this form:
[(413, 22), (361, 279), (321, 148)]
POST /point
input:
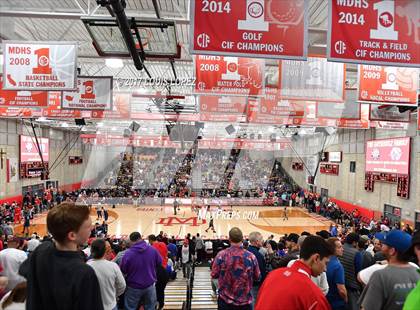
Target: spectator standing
[(413, 299), (337, 293), (52, 262), (292, 252), (199, 249), (139, 266), (236, 270), (389, 287), (111, 280), (10, 260), (161, 275), (256, 242), (292, 287), (186, 259), (348, 260)]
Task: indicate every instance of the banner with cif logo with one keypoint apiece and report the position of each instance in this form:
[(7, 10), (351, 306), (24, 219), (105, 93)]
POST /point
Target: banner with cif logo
[(39, 65), (93, 93), (382, 32), (388, 85), (250, 28), (315, 79)]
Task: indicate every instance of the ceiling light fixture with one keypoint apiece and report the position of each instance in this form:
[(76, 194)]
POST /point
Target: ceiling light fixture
[(114, 63)]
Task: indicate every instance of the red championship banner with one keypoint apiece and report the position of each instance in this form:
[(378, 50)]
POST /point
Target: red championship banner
[(250, 28), (379, 32), (389, 125), (390, 85), (271, 109), (39, 65), (120, 109), (13, 112), (314, 79), (229, 75), (222, 108), (22, 98), (93, 93), (54, 109)]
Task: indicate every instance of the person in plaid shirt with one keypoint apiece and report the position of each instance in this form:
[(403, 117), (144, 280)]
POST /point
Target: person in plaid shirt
[(236, 269)]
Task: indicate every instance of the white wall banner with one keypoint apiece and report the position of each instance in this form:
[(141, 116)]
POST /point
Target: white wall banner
[(12, 170), (314, 79), (39, 65), (93, 93)]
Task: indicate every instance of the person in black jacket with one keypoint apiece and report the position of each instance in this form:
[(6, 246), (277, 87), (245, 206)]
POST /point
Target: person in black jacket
[(56, 274)]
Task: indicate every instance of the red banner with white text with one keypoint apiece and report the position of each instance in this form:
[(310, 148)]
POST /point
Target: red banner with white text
[(379, 32), (22, 98), (229, 76), (389, 85), (250, 28)]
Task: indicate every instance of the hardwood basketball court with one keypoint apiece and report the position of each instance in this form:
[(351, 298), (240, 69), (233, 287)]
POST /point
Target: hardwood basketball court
[(152, 219)]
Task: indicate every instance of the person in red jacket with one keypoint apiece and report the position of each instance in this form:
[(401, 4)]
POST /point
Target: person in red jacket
[(18, 215), (292, 288)]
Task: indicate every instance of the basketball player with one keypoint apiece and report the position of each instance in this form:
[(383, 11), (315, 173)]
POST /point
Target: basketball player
[(211, 224), (176, 206), (285, 217)]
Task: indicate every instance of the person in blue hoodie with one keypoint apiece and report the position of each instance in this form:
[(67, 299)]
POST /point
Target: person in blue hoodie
[(139, 265)]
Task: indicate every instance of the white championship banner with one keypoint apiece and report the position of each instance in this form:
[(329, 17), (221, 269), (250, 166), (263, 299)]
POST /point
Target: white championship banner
[(93, 93), (39, 65)]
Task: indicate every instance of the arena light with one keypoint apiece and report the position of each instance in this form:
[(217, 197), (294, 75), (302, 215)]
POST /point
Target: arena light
[(114, 63)]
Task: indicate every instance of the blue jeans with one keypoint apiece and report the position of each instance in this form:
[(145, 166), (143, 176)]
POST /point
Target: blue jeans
[(133, 297)]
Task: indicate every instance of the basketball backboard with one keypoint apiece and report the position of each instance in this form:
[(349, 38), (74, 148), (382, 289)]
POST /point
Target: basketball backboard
[(157, 36)]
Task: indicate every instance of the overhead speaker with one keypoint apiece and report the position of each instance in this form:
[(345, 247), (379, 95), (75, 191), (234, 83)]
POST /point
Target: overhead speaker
[(199, 125), (330, 130), (295, 137), (273, 137), (80, 122), (134, 127), (127, 133), (230, 129)]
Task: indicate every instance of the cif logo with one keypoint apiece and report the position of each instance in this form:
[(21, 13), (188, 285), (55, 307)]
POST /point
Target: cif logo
[(340, 47), (255, 9), (201, 86), (364, 94), (203, 40)]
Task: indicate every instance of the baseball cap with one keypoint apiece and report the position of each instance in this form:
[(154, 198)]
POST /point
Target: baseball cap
[(293, 237), (397, 239)]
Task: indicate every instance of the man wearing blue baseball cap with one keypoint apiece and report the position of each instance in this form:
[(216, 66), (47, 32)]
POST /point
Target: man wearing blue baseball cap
[(389, 287)]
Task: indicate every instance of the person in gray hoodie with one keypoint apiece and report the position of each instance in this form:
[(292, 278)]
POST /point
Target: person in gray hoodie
[(139, 265)]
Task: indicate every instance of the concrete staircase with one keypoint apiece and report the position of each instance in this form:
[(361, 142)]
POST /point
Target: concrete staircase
[(175, 293), (202, 297)]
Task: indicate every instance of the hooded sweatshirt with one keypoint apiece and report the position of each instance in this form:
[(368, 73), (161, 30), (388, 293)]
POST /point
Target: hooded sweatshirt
[(139, 265)]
